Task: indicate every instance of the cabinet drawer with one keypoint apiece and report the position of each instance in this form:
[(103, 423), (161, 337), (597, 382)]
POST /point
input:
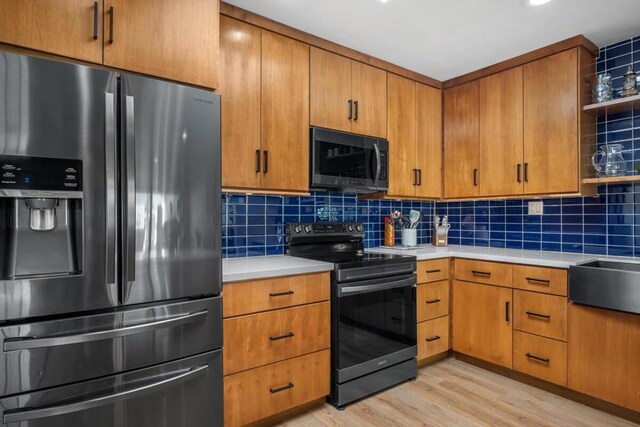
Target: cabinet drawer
[(432, 300), (540, 314), (433, 337), (269, 294), (540, 279), (540, 357), (262, 392), (433, 270), (259, 339), (491, 273)]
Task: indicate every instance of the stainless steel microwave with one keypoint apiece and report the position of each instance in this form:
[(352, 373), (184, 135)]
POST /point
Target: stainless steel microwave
[(347, 162)]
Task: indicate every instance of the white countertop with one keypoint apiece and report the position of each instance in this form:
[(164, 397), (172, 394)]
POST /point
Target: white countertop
[(262, 267), (515, 256)]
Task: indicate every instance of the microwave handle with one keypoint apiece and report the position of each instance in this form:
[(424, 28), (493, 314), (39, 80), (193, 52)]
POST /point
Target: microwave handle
[(378, 162)]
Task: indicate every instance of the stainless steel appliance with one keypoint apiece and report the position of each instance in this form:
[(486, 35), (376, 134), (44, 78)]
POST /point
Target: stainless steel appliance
[(373, 309), (606, 284), (110, 253), (347, 162)]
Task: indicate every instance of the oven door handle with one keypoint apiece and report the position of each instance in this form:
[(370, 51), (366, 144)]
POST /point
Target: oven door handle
[(351, 289)]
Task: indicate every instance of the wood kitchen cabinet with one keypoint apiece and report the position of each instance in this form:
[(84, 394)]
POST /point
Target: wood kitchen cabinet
[(461, 141), (265, 110), (501, 123), (163, 38), (603, 355), (482, 322), (551, 103), (70, 28), (415, 139), (347, 95)]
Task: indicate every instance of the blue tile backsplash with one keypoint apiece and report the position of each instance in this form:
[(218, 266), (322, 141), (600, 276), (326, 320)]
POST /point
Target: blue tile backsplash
[(608, 224)]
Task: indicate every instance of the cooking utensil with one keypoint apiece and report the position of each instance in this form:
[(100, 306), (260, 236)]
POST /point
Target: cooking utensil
[(414, 217)]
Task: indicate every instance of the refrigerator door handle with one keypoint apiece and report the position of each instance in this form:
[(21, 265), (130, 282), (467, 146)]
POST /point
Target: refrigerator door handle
[(110, 171), (129, 192), (83, 405), (28, 343)]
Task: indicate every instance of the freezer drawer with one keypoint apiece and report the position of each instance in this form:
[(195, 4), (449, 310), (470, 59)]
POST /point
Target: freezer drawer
[(50, 353), (186, 392)]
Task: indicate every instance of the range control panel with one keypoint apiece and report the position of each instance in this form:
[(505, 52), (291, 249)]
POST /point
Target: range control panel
[(323, 228), (40, 173)]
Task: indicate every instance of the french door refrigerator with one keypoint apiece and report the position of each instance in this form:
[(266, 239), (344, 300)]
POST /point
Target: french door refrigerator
[(110, 249)]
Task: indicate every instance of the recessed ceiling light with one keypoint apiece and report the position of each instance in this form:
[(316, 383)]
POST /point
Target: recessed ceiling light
[(538, 2), (384, 1)]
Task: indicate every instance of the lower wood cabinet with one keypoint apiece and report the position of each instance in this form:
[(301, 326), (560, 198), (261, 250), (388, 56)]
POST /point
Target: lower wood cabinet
[(604, 347), (432, 300), (540, 357), (259, 393), (540, 314), (482, 322), (433, 337)]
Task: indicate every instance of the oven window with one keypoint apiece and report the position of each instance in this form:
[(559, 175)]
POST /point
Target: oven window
[(348, 161), (375, 324)]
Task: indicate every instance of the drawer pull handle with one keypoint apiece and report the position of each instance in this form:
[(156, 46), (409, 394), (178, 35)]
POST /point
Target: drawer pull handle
[(433, 301), (397, 319), (540, 281), (540, 316), (283, 388), (433, 271), (507, 311), (537, 358), (281, 337), (480, 273), (280, 294), (436, 338)]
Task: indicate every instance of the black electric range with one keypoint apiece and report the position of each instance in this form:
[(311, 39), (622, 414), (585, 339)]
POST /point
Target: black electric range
[(373, 309)]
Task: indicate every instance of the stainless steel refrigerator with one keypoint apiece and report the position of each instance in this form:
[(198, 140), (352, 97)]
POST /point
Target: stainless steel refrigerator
[(110, 249)]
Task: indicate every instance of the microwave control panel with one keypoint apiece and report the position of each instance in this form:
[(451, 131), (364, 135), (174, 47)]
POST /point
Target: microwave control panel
[(40, 173)]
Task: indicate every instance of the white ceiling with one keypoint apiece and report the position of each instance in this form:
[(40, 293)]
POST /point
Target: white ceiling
[(447, 38)]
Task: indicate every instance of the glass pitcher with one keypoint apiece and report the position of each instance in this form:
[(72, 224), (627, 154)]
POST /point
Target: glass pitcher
[(611, 163)]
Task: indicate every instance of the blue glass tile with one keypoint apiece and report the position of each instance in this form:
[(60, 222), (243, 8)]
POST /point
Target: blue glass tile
[(555, 247), (595, 249), (256, 209), (575, 248), (532, 246), (622, 48), (513, 244)]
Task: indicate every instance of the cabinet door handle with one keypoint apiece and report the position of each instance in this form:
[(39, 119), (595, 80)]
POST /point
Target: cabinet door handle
[(540, 316), (507, 311), (526, 172), (540, 281), (355, 104), (538, 358), (415, 177), (266, 161), (519, 172), (95, 20), (281, 337), (257, 161), (419, 176), (475, 177), (433, 271), (436, 338), (350, 109), (283, 388), (111, 25), (433, 301), (481, 273), (281, 294)]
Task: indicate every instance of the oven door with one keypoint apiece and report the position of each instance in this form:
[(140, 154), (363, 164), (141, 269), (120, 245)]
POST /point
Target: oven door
[(348, 162), (374, 325)]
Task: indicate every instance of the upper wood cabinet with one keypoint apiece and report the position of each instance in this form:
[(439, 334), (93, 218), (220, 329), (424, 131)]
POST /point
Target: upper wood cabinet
[(240, 88), (482, 322), (603, 355), (265, 109), (347, 95), (285, 113), (461, 141), (414, 122), (551, 137), (501, 123), (70, 28), (171, 39)]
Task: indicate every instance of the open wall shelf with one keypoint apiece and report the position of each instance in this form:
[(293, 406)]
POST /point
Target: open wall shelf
[(620, 105)]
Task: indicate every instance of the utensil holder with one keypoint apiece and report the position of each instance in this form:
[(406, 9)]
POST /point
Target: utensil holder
[(409, 237)]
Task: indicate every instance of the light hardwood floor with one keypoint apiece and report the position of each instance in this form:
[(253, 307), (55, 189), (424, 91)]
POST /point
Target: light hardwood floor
[(453, 393)]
